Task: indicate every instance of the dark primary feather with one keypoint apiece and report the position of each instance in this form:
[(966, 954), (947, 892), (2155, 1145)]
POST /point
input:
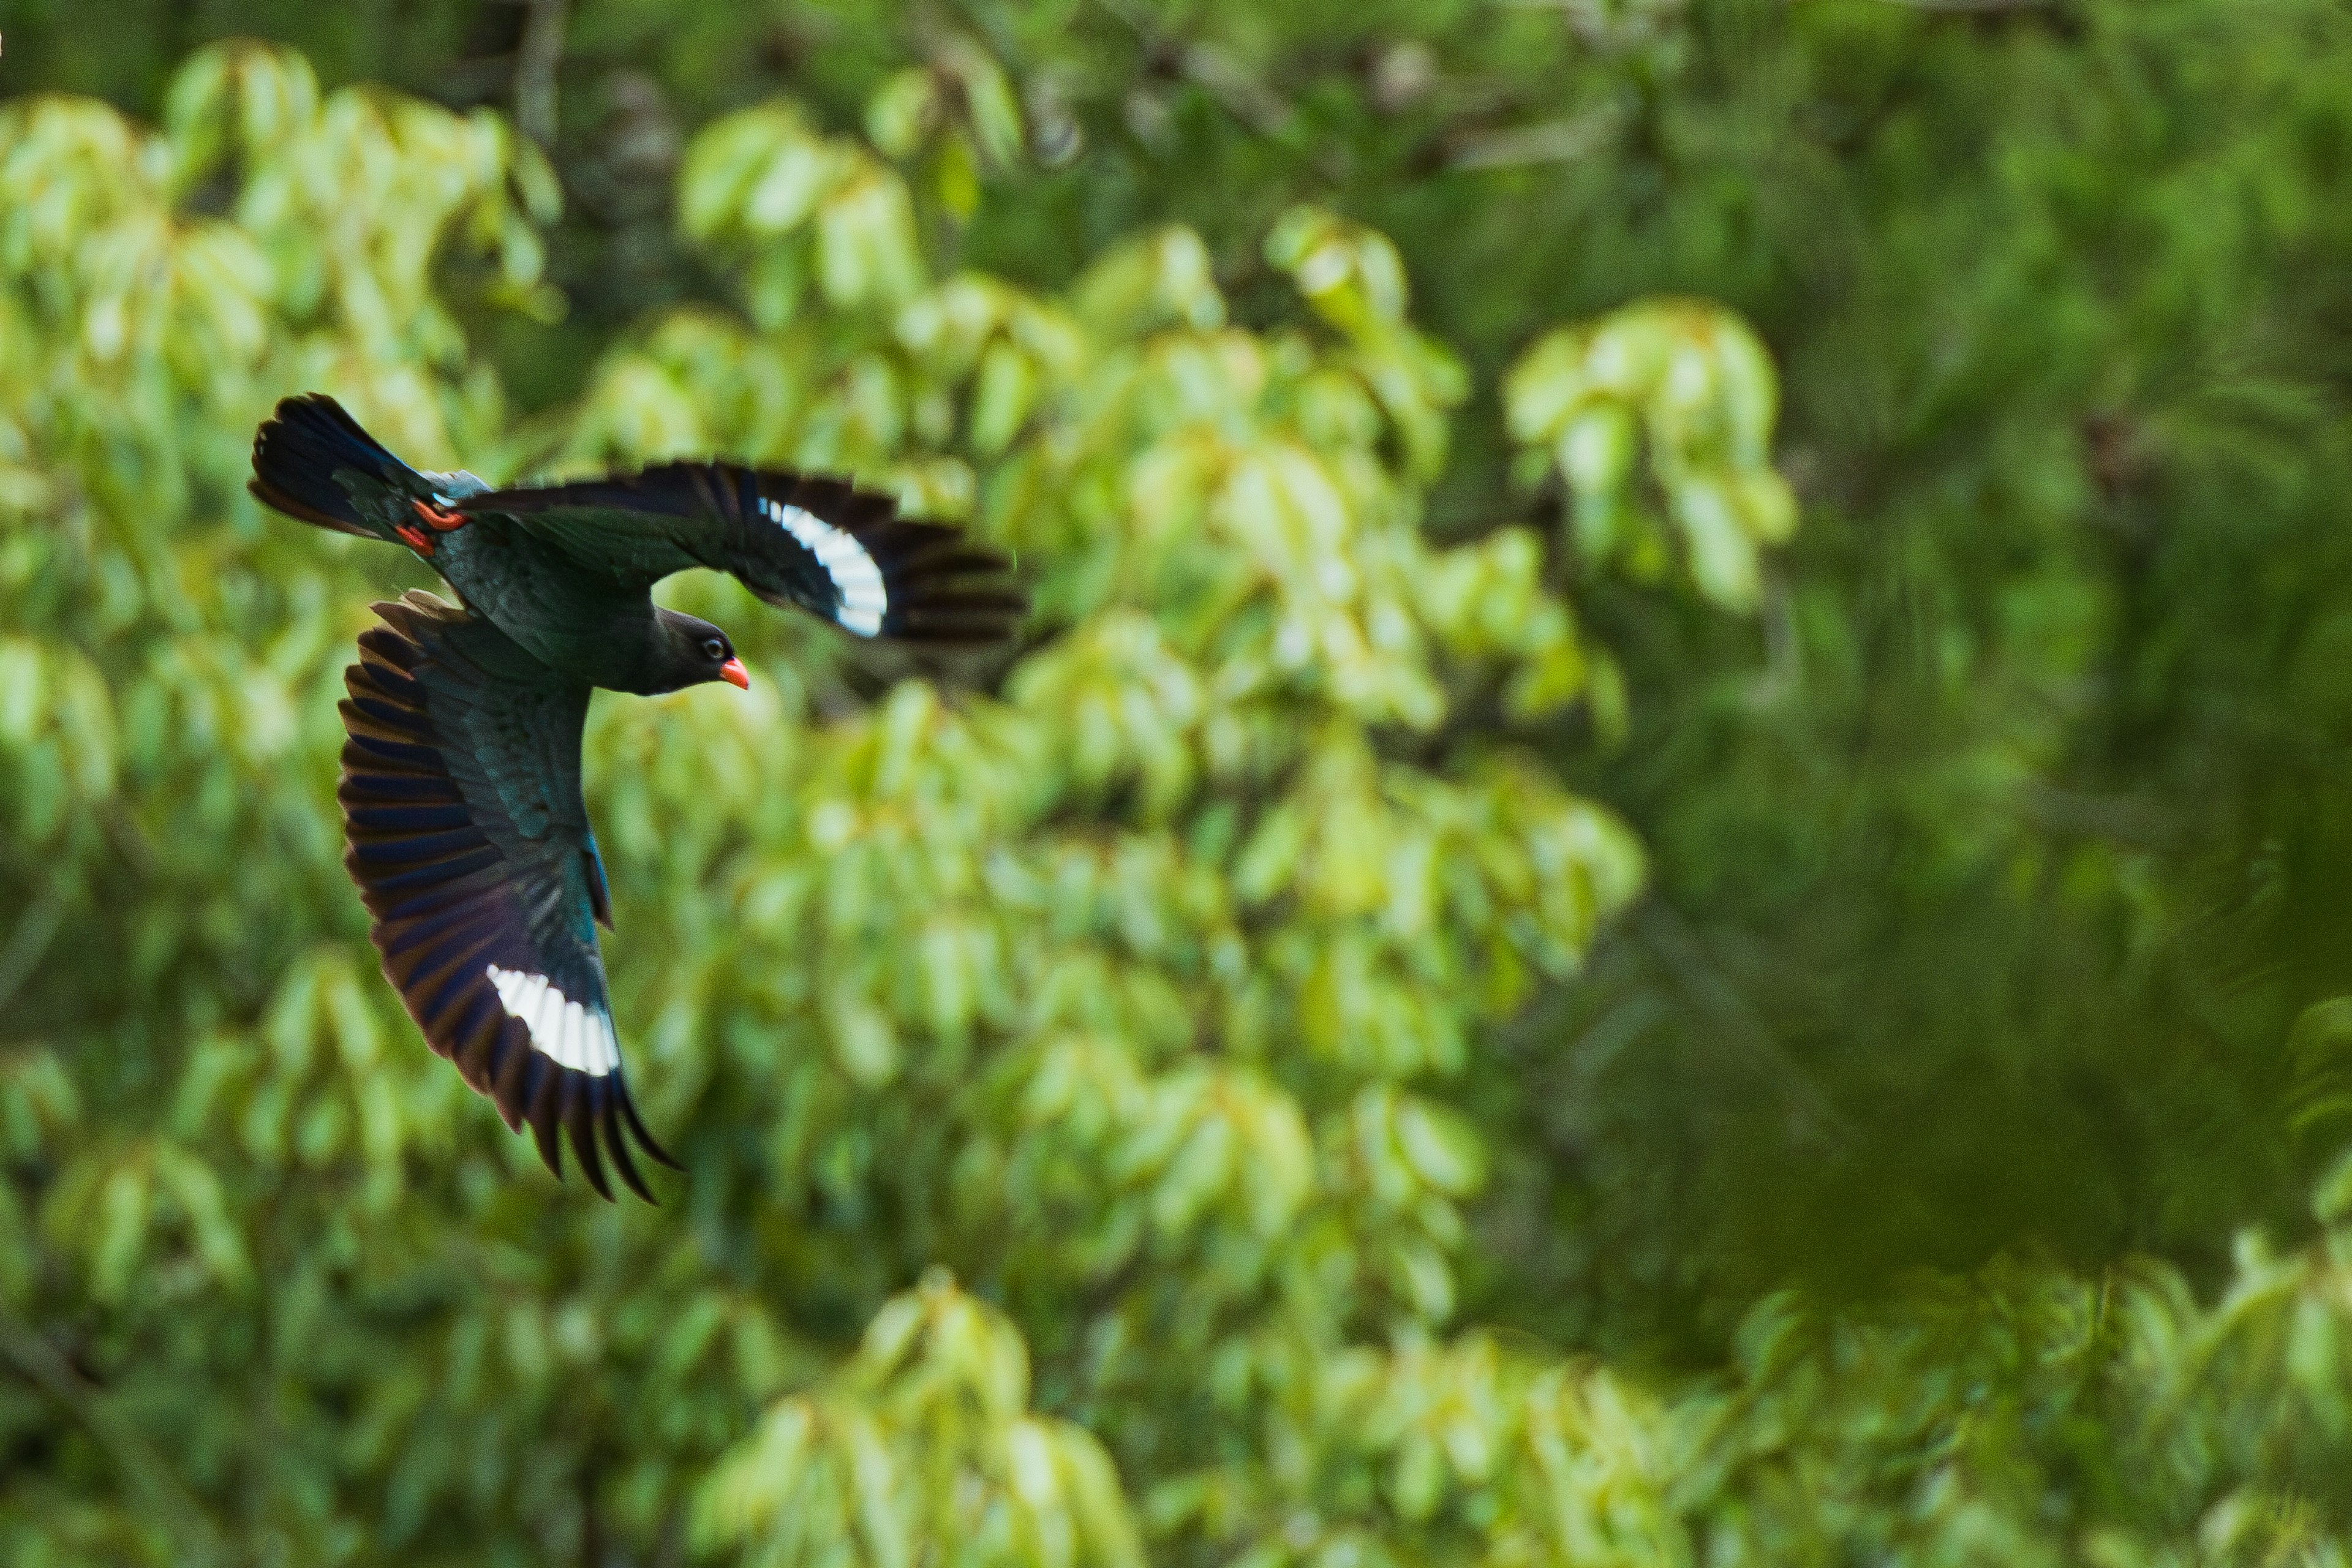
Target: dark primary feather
[(938, 586), (470, 841)]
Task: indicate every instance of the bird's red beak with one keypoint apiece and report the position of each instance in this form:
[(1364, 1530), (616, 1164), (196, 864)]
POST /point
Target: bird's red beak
[(733, 670)]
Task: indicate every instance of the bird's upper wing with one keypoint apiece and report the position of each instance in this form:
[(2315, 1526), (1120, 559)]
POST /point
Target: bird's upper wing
[(842, 553), (469, 842)]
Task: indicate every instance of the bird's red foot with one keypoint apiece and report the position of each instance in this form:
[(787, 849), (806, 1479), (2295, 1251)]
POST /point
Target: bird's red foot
[(417, 539), (438, 521)]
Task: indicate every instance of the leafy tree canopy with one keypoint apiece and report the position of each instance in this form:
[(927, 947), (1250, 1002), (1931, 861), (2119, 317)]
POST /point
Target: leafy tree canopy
[(1657, 883)]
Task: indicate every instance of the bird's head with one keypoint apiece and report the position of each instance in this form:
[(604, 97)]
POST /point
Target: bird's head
[(689, 652)]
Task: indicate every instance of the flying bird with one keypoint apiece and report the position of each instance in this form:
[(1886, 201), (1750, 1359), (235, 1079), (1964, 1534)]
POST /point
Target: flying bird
[(464, 827)]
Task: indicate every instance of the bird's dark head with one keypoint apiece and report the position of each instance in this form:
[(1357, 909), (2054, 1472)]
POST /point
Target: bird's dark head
[(688, 652)]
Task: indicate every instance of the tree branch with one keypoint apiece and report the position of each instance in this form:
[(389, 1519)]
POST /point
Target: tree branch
[(1674, 943), (1963, 7), (31, 1354), (1550, 141), (1209, 67), (537, 61), (36, 929)]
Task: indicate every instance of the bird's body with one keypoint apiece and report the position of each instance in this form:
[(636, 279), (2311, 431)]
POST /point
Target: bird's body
[(610, 635), (468, 836)]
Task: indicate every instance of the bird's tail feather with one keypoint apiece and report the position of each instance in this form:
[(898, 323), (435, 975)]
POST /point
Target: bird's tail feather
[(298, 454)]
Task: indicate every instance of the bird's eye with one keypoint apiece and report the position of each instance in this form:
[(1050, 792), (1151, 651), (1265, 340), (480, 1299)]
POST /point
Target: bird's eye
[(713, 648)]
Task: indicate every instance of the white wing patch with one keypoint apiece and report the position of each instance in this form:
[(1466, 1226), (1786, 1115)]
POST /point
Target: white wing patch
[(560, 1028), (856, 578)]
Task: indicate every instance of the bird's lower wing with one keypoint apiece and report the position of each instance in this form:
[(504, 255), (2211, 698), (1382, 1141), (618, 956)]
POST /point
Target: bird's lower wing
[(838, 551), (470, 845)]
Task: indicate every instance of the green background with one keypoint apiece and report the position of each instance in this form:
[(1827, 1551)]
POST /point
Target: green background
[(1661, 881)]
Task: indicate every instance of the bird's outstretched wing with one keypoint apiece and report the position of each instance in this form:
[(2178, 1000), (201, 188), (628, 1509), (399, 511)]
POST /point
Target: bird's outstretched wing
[(842, 553), (470, 845)]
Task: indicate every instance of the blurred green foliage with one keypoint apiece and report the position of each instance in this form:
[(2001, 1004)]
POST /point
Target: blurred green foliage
[(1473, 993)]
